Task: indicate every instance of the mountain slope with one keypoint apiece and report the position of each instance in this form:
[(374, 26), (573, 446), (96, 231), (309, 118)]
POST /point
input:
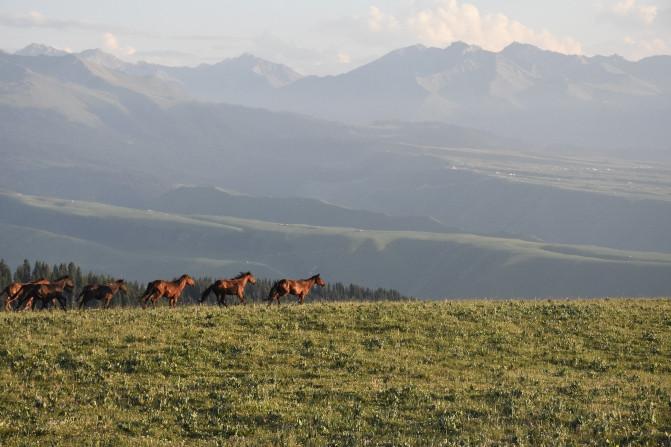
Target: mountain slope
[(550, 99), (36, 49), (245, 79), (218, 202), (137, 243)]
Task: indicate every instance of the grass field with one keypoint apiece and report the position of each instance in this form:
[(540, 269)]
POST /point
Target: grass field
[(449, 373)]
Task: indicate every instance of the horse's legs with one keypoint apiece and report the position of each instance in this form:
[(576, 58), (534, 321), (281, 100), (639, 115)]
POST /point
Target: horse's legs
[(28, 305), (145, 299), (108, 302), (149, 299), (9, 303), (9, 300)]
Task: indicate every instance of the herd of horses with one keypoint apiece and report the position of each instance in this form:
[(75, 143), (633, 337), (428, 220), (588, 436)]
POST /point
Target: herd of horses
[(25, 295)]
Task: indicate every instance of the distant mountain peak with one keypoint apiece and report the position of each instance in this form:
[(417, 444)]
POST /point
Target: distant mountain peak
[(278, 75), (463, 47), (248, 57), (519, 48), (38, 49), (98, 56), (412, 49)]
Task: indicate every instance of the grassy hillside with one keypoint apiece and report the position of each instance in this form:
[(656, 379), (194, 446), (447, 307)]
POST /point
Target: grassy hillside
[(604, 202), (216, 201), (450, 373), (142, 245)]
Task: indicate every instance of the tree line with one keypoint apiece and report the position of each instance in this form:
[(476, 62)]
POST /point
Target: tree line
[(333, 291)]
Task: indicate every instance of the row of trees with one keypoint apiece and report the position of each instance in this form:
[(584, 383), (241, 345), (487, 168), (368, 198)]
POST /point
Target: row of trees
[(334, 291)]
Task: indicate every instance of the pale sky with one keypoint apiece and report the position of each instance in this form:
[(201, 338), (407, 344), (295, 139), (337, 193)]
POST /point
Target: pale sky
[(331, 36)]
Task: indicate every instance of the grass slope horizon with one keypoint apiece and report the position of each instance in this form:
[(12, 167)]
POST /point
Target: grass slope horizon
[(451, 373), (143, 245)]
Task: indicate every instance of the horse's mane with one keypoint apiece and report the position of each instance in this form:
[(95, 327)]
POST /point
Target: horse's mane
[(242, 275), (63, 278)]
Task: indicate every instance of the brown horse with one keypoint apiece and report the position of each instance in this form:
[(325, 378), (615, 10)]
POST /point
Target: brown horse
[(48, 292), (172, 290), (233, 286), (103, 293), (299, 288), (14, 291)]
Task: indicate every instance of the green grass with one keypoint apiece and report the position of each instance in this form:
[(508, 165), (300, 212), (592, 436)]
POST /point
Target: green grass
[(450, 373)]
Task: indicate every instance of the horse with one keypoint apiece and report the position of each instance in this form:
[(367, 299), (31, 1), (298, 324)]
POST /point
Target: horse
[(169, 289), (299, 288), (48, 292), (233, 286), (104, 293), (14, 291)]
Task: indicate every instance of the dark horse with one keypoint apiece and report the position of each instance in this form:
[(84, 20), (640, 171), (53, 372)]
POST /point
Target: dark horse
[(15, 290), (172, 290), (233, 286), (104, 293), (46, 293), (297, 287)]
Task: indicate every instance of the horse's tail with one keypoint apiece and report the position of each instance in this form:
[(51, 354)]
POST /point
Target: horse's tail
[(273, 291), (149, 289), (206, 292), (81, 294), (8, 300)]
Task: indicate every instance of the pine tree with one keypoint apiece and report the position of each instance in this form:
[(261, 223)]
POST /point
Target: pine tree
[(23, 272), (5, 274)]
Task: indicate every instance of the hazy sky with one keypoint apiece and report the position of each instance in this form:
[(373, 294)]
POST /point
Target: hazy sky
[(331, 36)]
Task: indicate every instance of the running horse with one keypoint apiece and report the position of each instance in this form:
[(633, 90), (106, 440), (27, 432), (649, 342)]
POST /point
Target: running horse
[(233, 286), (300, 288), (103, 293), (51, 292), (172, 290), (14, 291)]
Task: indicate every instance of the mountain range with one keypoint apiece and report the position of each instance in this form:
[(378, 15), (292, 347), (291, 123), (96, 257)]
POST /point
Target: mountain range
[(549, 100), (263, 146)]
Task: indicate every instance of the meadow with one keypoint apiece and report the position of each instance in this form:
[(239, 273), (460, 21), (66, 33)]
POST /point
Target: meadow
[(536, 373)]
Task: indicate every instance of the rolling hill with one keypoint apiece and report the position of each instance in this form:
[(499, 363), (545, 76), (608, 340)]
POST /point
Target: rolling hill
[(145, 244), (215, 201)]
